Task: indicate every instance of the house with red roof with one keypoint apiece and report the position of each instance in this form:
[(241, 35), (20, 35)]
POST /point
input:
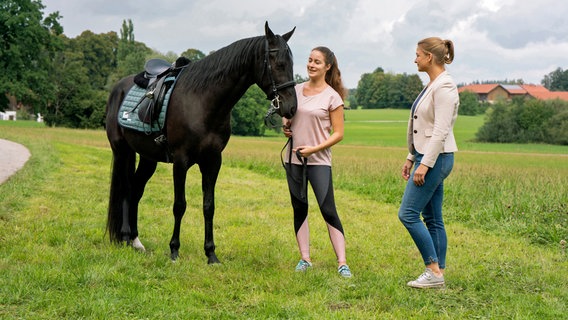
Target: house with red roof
[(495, 92)]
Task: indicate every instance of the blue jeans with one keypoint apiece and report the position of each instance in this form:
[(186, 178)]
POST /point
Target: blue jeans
[(430, 235)]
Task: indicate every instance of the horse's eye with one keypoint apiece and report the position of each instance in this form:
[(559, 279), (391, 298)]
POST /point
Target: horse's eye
[(281, 66)]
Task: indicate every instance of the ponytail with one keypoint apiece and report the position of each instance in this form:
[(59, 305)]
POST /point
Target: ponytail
[(441, 50)]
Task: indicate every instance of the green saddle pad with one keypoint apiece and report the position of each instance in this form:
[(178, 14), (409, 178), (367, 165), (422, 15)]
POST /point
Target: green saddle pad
[(128, 117)]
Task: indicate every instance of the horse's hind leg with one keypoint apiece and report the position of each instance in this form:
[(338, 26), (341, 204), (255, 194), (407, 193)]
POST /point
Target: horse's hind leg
[(144, 172)]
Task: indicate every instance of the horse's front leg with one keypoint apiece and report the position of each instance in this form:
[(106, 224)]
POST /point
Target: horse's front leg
[(180, 174), (209, 173)]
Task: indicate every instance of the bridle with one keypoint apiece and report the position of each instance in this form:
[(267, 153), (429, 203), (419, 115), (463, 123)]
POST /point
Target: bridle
[(273, 96)]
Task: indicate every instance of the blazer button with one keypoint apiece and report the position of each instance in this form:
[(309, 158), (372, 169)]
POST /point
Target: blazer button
[(415, 131), (415, 117)]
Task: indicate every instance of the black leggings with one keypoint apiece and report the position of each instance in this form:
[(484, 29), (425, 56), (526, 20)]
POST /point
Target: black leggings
[(321, 182)]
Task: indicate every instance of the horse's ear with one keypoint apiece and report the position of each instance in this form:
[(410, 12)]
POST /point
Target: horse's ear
[(287, 36), (269, 33)]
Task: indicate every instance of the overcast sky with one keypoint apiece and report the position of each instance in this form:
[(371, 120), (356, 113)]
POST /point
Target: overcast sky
[(493, 39)]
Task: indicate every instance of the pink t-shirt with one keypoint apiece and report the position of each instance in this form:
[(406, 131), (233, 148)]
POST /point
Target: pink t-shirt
[(311, 125)]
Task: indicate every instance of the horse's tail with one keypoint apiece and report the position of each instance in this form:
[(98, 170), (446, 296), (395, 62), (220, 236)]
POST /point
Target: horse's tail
[(122, 171), (123, 164)]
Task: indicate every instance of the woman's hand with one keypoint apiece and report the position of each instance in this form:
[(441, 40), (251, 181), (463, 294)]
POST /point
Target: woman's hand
[(305, 151), (286, 124), (420, 175), (406, 167)]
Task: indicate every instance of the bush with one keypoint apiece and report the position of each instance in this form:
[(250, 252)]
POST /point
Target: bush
[(470, 105), (524, 121), (557, 128)]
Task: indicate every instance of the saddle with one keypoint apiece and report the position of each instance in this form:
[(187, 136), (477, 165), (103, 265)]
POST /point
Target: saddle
[(157, 78)]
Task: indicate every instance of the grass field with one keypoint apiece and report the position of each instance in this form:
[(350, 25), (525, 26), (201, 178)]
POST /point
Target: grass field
[(506, 211)]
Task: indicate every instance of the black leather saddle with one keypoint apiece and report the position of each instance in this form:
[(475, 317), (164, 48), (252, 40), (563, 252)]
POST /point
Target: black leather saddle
[(154, 68), (153, 79)]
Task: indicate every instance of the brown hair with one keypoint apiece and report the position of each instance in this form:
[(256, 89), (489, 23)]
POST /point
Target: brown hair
[(333, 75), (441, 50)]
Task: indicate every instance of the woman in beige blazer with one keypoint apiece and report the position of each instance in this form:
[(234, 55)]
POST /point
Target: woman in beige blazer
[(431, 146)]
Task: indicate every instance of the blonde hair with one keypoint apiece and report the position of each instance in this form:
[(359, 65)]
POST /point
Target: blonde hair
[(441, 50), (333, 75)]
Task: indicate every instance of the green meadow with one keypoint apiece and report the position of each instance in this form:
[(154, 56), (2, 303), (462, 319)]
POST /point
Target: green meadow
[(506, 211)]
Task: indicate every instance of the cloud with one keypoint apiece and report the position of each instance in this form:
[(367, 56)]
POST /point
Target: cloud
[(494, 39), (516, 25)]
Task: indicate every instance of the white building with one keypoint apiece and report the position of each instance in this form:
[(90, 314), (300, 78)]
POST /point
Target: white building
[(8, 115)]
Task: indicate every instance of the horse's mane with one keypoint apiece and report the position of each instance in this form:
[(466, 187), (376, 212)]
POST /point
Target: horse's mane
[(226, 60)]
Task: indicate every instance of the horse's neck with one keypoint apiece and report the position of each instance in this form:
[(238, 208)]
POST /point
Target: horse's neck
[(231, 78)]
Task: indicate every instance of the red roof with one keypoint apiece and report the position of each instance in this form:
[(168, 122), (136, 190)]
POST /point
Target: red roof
[(479, 88), (533, 90), (540, 92)]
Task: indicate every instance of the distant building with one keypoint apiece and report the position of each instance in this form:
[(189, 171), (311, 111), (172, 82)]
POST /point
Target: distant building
[(494, 92), (8, 115)]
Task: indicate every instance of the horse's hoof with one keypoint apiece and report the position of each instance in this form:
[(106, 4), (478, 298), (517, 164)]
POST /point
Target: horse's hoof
[(136, 244), (213, 260), (174, 256)]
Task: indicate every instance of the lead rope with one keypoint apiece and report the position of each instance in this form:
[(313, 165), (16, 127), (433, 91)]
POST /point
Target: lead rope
[(303, 160)]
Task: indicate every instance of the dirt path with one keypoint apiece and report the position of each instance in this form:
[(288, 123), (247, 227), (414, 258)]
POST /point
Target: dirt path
[(13, 156)]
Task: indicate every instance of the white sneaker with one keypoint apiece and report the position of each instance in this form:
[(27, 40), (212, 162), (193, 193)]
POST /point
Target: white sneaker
[(427, 280)]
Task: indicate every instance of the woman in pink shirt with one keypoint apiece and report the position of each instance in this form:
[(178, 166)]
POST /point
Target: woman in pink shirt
[(317, 125)]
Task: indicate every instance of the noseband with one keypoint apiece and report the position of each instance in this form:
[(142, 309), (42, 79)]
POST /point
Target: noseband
[(273, 95)]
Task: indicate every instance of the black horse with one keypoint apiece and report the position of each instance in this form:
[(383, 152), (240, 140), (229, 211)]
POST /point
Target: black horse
[(197, 128)]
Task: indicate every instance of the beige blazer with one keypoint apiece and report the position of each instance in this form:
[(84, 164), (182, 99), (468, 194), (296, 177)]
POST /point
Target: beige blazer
[(430, 130)]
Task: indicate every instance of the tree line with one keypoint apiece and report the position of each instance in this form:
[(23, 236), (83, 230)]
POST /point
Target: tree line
[(67, 80)]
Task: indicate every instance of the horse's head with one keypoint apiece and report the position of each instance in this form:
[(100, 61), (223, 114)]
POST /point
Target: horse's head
[(278, 77)]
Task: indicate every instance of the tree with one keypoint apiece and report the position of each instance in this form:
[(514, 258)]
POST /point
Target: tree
[(557, 127), (499, 125), (387, 90), (469, 105), (411, 87), (98, 55), (26, 49), (80, 77), (130, 55), (193, 54), (247, 117), (557, 80), (366, 89)]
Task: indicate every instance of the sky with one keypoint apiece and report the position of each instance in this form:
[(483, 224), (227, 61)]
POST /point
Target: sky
[(493, 39)]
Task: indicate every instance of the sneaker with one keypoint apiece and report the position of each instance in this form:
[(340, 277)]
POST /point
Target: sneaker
[(344, 271), (427, 280), (303, 265)]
